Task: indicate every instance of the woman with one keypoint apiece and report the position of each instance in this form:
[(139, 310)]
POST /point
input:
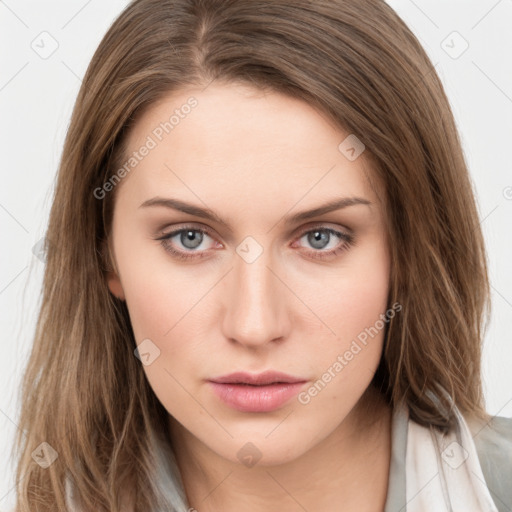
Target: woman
[(266, 279)]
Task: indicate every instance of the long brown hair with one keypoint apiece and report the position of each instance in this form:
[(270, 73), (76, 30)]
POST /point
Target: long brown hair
[(84, 393)]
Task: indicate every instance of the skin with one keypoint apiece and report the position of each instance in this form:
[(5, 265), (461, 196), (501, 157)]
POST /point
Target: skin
[(254, 157)]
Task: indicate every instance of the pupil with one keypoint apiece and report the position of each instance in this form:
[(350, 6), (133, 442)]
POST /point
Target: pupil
[(188, 240), (317, 239)]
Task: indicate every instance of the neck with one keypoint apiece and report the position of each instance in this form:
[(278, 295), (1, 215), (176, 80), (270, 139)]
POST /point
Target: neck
[(348, 470)]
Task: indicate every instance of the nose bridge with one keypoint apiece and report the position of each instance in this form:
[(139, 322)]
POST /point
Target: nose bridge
[(256, 301)]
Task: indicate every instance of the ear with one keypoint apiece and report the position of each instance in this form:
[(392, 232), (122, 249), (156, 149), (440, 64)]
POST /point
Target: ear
[(114, 285), (113, 279)]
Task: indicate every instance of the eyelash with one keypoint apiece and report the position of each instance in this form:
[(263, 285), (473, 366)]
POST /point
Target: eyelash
[(347, 241)]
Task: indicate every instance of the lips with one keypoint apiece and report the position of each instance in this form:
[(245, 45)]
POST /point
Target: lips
[(260, 379), (263, 392)]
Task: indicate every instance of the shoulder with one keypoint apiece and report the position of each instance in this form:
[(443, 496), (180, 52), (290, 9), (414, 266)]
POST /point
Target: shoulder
[(493, 442)]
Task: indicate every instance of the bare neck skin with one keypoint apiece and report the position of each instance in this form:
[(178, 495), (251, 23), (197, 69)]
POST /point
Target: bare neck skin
[(348, 470)]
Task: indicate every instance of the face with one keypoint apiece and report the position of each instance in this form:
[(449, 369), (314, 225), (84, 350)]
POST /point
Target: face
[(221, 273)]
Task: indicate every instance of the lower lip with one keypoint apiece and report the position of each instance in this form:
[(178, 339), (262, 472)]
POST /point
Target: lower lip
[(247, 398)]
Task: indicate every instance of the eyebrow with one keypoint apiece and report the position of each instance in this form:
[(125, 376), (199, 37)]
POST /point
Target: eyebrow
[(206, 213)]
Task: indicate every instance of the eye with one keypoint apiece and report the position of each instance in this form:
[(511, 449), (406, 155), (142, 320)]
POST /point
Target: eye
[(321, 237), (190, 238)]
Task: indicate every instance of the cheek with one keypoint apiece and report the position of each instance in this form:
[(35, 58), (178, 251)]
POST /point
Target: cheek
[(166, 304), (355, 295), (156, 292), (345, 364), (354, 307), (161, 307)]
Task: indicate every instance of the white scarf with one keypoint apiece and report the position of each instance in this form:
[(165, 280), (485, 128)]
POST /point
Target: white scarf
[(442, 471)]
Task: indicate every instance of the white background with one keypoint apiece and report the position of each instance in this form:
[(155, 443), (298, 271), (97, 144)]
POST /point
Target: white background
[(37, 96)]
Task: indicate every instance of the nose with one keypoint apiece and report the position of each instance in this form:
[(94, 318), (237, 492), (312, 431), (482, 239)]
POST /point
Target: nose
[(255, 304)]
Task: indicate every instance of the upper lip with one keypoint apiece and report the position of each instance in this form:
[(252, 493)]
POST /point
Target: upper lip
[(268, 377)]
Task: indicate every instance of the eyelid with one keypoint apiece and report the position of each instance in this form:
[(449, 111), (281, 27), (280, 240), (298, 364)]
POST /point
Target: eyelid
[(175, 229), (323, 225), (295, 233)]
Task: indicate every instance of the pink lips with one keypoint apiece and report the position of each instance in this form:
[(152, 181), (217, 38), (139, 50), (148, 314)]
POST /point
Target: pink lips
[(263, 392)]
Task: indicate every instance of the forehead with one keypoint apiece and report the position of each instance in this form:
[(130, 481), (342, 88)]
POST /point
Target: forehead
[(232, 142)]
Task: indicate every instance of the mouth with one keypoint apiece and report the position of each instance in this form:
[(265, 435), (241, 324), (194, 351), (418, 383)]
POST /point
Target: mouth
[(263, 392), (260, 379)]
